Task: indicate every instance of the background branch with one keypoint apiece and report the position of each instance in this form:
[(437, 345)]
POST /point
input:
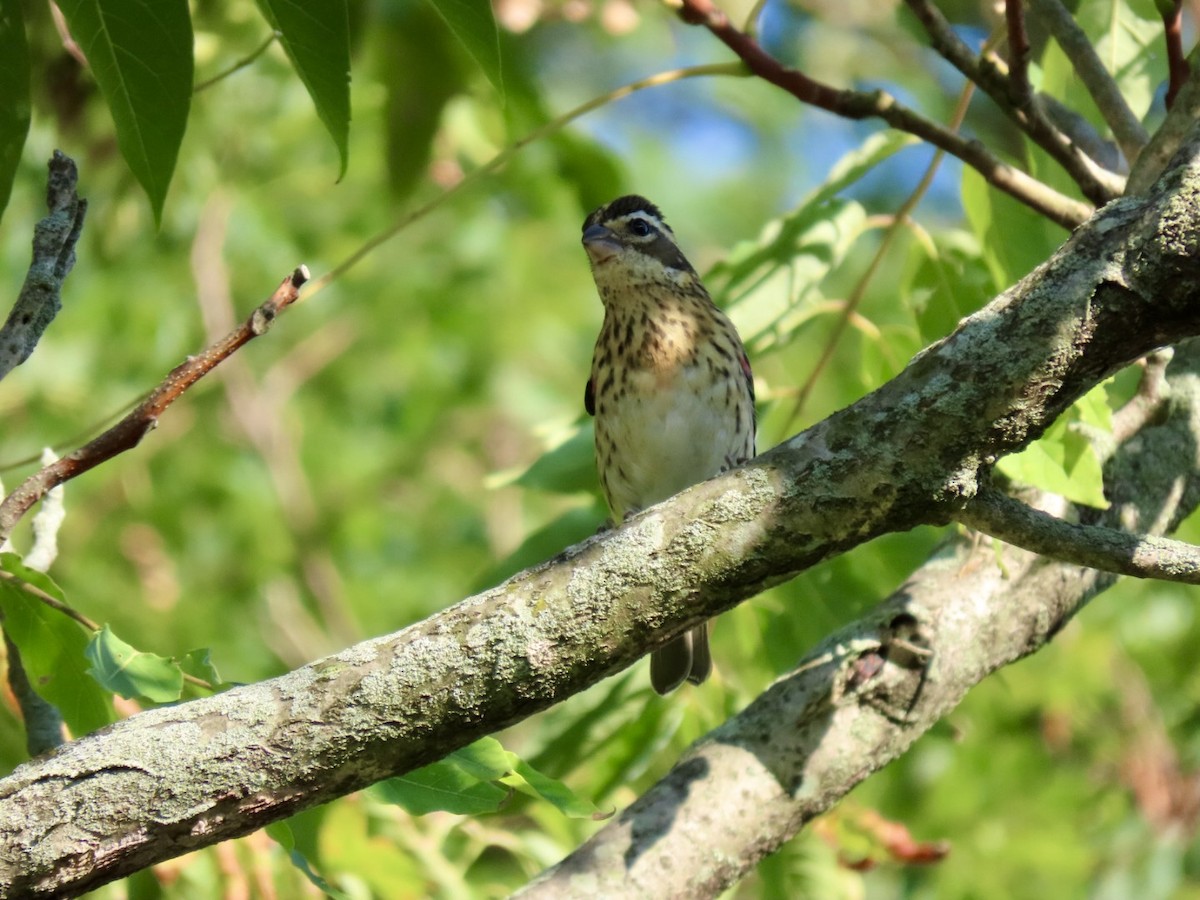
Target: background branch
[(1131, 137), (1097, 185), (128, 432), (54, 239), (1180, 121), (1177, 64), (878, 104), (172, 779)]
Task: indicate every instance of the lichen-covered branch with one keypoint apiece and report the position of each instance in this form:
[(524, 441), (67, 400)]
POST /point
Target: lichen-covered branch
[(862, 697), (54, 240), (1109, 549), (170, 780)]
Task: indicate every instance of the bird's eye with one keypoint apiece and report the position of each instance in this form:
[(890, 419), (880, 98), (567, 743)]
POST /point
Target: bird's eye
[(639, 227)]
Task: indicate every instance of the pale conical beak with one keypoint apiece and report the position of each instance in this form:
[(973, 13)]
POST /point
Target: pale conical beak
[(600, 243)]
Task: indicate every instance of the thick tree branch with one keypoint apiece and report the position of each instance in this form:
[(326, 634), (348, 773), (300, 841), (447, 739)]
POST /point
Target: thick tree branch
[(862, 697), (54, 240), (878, 104), (173, 779), (128, 433), (1131, 137)]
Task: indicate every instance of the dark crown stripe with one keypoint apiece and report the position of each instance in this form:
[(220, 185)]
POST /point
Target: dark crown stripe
[(624, 206)]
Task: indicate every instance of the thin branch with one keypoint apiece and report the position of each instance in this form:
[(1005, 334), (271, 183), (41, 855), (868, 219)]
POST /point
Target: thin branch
[(501, 158), (239, 65), (1131, 137), (54, 240), (49, 600), (1181, 118), (1143, 556), (898, 222), (127, 433), (878, 104), (1018, 54), (1147, 403), (1097, 184), (1177, 64)]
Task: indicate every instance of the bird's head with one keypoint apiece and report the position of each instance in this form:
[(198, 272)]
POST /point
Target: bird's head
[(629, 240)]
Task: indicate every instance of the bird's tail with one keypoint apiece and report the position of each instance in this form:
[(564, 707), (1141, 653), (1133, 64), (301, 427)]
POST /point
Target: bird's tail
[(684, 659)]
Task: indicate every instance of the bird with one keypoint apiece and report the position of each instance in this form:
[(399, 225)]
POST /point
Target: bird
[(670, 386)]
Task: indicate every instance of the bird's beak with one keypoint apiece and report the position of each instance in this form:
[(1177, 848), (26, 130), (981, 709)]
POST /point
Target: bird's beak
[(600, 243)]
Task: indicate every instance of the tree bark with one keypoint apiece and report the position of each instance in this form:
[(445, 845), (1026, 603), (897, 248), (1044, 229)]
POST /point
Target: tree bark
[(862, 697), (913, 452)]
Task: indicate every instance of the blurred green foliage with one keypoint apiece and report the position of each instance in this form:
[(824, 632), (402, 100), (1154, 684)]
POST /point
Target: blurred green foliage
[(414, 431)]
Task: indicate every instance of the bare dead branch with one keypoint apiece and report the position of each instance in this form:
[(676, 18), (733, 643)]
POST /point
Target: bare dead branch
[(878, 104), (128, 432), (54, 240)]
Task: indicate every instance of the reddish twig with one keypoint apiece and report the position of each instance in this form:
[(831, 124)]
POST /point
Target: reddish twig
[(1177, 64), (128, 433), (878, 104), (1018, 54)]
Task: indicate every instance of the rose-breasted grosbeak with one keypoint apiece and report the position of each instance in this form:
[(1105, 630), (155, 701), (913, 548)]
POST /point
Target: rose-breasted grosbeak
[(670, 386)]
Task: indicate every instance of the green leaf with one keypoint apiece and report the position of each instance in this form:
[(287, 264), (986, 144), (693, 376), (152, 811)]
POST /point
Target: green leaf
[(281, 833), (52, 649), (570, 468), (445, 786), (948, 282), (473, 23), (14, 94), (570, 528), (771, 279), (316, 38), (418, 91), (140, 52), (860, 162), (199, 664), (995, 219), (486, 759), (1064, 460), (465, 782), (132, 673), (529, 780)]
